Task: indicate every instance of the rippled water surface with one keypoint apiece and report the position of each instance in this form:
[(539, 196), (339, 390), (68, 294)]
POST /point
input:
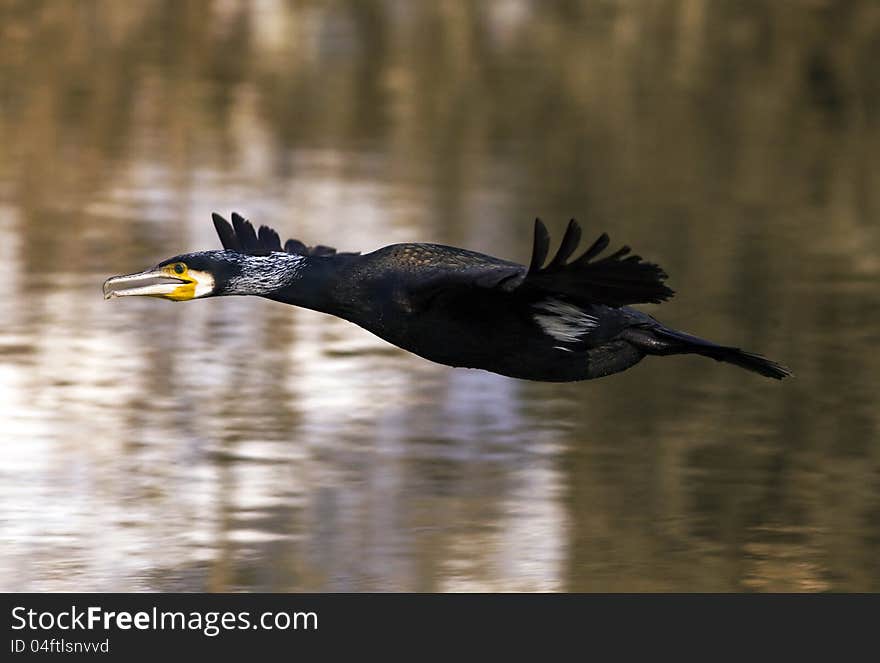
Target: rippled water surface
[(240, 444)]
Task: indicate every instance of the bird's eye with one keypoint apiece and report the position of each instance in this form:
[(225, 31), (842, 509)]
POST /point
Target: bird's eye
[(179, 268)]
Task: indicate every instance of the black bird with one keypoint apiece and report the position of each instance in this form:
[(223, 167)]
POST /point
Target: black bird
[(556, 321)]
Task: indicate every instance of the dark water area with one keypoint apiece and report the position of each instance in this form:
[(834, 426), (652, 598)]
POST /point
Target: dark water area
[(239, 444)]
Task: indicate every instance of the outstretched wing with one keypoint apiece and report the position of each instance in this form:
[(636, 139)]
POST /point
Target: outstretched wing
[(240, 236), (618, 279)]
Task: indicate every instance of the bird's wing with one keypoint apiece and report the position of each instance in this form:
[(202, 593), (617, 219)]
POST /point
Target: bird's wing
[(423, 271), (240, 236), (618, 279)]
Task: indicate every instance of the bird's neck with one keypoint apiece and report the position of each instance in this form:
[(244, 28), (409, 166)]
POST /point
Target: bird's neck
[(306, 281), (264, 275)]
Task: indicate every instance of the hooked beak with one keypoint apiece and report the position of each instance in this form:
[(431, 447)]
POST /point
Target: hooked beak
[(152, 283)]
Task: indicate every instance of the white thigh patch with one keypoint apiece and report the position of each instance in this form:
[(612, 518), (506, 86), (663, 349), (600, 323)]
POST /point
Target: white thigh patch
[(563, 321)]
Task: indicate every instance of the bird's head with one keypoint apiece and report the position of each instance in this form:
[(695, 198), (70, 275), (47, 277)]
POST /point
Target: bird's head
[(181, 278), (208, 274)]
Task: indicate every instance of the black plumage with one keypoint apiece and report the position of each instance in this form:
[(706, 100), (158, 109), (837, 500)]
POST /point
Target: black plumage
[(559, 320)]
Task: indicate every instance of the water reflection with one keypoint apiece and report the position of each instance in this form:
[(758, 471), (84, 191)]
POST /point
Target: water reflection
[(239, 444)]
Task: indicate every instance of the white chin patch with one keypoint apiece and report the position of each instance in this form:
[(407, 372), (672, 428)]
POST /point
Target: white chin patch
[(204, 283)]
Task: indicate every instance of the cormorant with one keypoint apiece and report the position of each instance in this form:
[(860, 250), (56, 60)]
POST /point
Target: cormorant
[(557, 321)]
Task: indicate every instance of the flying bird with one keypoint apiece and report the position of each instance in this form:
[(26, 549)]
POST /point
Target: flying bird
[(559, 320)]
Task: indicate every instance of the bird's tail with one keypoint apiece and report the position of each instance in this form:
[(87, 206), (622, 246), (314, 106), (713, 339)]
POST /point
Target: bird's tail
[(664, 341)]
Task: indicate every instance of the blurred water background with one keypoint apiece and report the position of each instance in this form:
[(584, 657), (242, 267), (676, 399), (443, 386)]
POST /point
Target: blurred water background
[(238, 444)]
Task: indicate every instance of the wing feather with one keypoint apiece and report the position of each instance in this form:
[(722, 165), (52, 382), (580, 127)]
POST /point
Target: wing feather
[(241, 237), (541, 246), (226, 233), (618, 279), (570, 241), (247, 237), (269, 239)]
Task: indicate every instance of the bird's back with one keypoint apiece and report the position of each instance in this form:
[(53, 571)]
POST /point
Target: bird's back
[(428, 260)]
